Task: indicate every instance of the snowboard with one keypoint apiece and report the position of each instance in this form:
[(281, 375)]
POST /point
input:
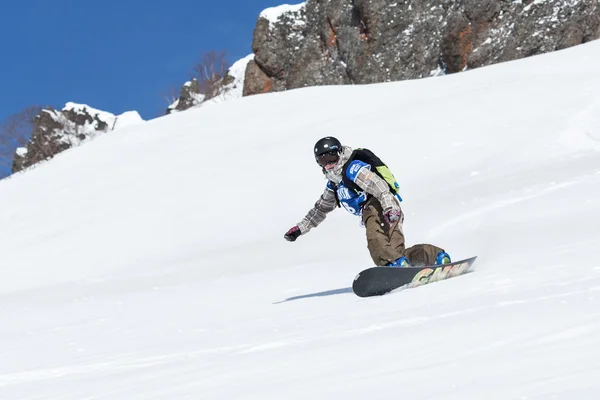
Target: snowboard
[(377, 281)]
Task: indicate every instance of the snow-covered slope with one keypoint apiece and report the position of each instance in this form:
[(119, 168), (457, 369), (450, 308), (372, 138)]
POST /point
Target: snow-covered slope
[(150, 264)]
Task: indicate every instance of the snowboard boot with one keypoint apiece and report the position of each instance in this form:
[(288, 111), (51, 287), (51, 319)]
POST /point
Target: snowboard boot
[(399, 263), (442, 258)]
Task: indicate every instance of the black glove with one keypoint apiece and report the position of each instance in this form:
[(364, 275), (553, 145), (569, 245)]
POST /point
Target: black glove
[(292, 234)]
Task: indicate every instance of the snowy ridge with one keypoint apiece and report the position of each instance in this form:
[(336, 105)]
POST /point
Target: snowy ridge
[(56, 131), (73, 133), (273, 14), (230, 91), (128, 118), (83, 109), (112, 121), (151, 264), (235, 89), (197, 98)]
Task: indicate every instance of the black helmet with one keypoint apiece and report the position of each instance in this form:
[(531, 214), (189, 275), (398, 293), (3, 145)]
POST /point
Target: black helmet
[(326, 145), (327, 150)]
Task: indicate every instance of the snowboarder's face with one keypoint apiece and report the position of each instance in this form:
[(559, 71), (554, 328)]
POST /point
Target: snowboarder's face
[(328, 160), (329, 167)]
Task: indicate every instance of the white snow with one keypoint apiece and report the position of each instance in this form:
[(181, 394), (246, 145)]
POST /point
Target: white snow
[(234, 90), (238, 69), (113, 121), (151, 264), (75, 134), (128, 118), (273, 14), (436, 72), (104, 116)]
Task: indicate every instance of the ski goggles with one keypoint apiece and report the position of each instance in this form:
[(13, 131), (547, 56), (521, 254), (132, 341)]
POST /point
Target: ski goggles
[(330, 157)]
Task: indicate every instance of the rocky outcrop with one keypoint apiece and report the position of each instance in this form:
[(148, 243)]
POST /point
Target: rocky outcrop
[(228, 88), (58, 130), (330, 42), (189, 97)]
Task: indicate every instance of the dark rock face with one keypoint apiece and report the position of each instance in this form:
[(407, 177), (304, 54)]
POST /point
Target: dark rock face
[(256, 80), (189, 97), (56, 131), (331, 42)]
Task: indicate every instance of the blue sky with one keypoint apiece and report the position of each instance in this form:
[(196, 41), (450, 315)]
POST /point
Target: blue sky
[(114, 55)]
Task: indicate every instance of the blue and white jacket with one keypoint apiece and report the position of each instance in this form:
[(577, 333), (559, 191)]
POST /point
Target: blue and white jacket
[(359, 173)]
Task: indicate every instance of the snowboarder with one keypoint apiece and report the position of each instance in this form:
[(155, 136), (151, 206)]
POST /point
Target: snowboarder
[(361, 183)]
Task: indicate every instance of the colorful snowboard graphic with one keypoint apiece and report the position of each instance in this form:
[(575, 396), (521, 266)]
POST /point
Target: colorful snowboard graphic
[(377, 281)]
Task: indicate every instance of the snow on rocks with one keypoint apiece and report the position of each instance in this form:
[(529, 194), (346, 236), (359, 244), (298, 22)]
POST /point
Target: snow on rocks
[(274, 14), (58, 130), (231, 87)]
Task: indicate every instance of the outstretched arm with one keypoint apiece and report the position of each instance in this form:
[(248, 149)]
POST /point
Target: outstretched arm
[(317, 214)]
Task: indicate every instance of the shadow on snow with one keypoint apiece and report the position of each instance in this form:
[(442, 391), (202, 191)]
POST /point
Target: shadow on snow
[(318, 294)]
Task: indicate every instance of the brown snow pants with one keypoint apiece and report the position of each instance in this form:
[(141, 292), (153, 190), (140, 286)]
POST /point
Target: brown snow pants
[(386, 243)]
